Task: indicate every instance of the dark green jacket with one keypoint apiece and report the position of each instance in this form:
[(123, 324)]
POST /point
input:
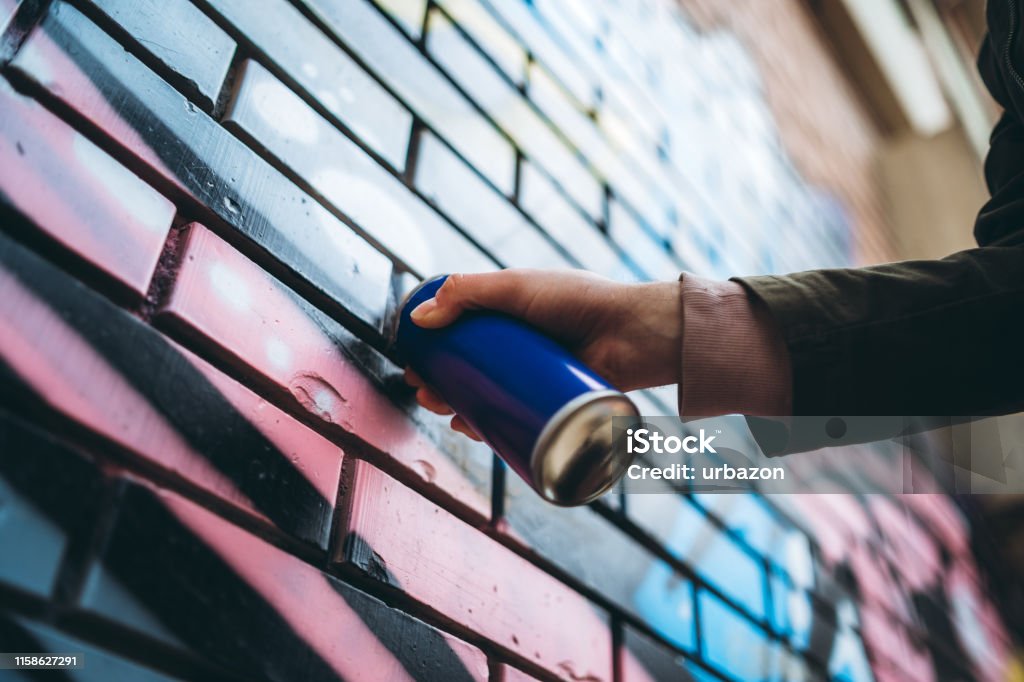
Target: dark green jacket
[(930, 337)]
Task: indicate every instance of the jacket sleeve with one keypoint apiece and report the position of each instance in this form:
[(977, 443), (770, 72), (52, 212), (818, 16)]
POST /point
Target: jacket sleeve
[(929, 337), (936, 337)]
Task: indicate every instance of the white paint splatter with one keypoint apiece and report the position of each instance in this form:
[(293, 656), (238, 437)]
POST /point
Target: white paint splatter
[(324, 400), (377, 212), (230, 287), (278, 352), (309, 68), (285, 112)]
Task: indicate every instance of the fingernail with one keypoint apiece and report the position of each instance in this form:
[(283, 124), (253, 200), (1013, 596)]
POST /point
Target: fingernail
[(423, 311)]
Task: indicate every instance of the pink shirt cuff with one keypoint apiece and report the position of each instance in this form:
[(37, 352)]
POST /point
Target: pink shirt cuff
[(734, 358)]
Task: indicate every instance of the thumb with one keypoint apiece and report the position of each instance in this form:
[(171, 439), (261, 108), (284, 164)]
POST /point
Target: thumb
[(506, 291)]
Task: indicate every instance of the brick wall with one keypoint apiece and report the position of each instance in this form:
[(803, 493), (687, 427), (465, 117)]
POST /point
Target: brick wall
[(820, 119), (209, 468)]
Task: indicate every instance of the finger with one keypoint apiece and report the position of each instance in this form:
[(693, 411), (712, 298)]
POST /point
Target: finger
[(507, 291), (462, 427), (432, 401), (412, 378)]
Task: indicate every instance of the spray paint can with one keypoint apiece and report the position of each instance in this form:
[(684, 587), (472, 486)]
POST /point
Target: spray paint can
[(542, 410)]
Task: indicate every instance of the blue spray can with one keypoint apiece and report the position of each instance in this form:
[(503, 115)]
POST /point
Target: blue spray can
[(543, 411)]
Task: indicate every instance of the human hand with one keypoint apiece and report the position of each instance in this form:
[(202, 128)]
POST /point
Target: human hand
[(630, 334)]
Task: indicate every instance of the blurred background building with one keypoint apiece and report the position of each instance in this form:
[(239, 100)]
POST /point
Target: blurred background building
[(209, 468)]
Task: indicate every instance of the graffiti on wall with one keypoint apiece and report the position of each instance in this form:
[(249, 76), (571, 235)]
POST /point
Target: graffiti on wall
[(208, 466)]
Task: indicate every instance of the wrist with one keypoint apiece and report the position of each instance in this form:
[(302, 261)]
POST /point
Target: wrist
[(651, 331)]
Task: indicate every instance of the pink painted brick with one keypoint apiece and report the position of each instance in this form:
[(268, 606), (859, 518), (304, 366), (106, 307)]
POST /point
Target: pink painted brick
[(79, 196), (891, 645), (402, 539), (225, 298), (913, 553), (308, 625), (877, 585), (942, 518), (506, 673), (193, 158), (169, 408)]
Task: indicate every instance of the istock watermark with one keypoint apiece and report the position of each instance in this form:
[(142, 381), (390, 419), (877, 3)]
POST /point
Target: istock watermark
[(642, 441), (820, 454)]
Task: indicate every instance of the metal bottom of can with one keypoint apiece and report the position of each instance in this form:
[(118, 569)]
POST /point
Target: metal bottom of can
[(574, 460)]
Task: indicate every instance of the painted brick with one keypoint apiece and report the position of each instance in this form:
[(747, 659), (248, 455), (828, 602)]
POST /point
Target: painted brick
[(943, 518), (563, 109), (806, 625), (407, 13), (265, 112), (180, 37), (397, 537), (916, 601), (834, 521), (562, 221), (785, 600), (913, 552), (508, 108), (829, 587), (307, 358), (647, 185), (481, 211), (754, 521), (489, 35), (799, 618), (632, 50), (549, 96), (21, 634), (199, 584), (698, 254), (98, 366), (644, 660), (47, 496), (526, 28), (7, 9), (326, 72), (877, 584), (637, 582), (85, 69), (582, 39), (79, 196), (690, 537), (507, 673), (618, 121), (809, 102), (733, 644), (892, 651), (649, 255), (844, 533), (422, 86)]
